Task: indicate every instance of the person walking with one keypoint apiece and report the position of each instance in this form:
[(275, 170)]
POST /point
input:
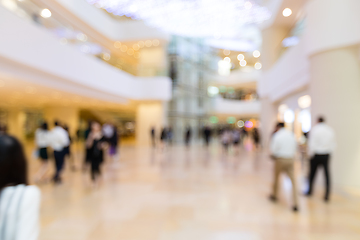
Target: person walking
[(59, 140), (153, 136), (256, 138), (163, 138), (42, 144), (207, 135), (321, 144), (19, 202), (96, 143), (283, 150), (111, 136), (87, 159), (187, 136), (68, 152)]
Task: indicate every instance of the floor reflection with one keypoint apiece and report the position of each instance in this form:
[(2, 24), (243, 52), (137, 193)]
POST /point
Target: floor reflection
[(188, 193)]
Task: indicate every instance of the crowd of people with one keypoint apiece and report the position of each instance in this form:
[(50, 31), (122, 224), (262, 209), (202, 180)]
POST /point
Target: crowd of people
[(97, 139), (20, 202)]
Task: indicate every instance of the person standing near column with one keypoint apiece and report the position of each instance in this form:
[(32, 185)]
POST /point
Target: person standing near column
[(59, 140), (321, 144), (283, 149)]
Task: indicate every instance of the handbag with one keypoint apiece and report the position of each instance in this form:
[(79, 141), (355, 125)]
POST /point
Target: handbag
[(4, 228)]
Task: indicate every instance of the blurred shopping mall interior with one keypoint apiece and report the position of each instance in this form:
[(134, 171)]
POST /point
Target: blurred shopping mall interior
[(180, 64)]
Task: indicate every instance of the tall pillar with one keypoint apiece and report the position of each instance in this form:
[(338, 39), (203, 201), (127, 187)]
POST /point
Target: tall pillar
[(270, 52), (65, 115), (268, 120), (335, 92), (149, 115), (16, 122)]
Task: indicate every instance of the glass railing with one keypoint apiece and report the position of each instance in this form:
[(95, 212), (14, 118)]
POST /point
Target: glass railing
[(68, 34)]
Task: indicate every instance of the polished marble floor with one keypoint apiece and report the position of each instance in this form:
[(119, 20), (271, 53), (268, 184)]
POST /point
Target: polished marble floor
[(189, 194)]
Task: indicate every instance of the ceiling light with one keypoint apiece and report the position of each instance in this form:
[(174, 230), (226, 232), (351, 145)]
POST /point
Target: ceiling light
[(224, 18), (287, 12), (130, 51), (141, 44), (155, 42), (136, 47), (226, 52), (243, 63), (241, 57), (258, 66), (81, 37), (148, 43), (256, 54), (124, 48), (106, 56), (227, 59), (45, 13), (117, 44)]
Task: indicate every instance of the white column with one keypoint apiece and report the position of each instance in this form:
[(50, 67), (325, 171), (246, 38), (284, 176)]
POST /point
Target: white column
[(270, 52), (65, 115), (149, 115), (335, 92)]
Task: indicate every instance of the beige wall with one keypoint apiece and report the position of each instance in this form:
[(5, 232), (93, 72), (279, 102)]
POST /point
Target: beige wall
[(147, 116), (16, 121)]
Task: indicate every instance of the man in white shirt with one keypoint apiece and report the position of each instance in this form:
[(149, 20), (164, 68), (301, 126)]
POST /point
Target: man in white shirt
[(59, 139), (283, 150), (321, 144)]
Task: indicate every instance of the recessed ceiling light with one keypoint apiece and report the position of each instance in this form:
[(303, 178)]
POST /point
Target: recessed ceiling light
[(45, 13), (287, 12)]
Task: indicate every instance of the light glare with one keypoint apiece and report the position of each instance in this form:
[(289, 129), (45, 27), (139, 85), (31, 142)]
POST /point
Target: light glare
[(241, 57), (287, 12), (45, 13), (258, 66), (256, 54), (243, 63)]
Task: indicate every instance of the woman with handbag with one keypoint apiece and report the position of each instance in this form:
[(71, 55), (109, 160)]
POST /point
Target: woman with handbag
[(19, 202)]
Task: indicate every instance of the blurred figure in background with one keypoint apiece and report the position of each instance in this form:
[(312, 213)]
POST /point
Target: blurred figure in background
[(163, 138), (96, 144), (283, 149), (187, 136), (321, 144), (19, 203), (67, 150), (226, 139), (153, 137), (170, 135), (111, 136), (87, 160), (243, 134), (207, 135), (236, 139), (59, 140), (42, 144), (256, 138)]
